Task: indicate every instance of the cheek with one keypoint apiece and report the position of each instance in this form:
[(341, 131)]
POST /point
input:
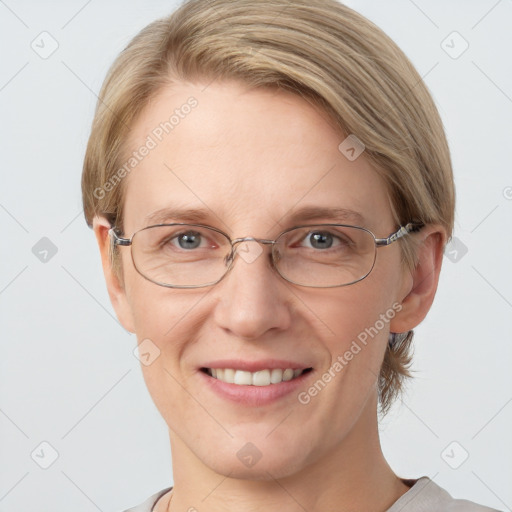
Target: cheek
[(164, 315), (358, 349), (166, 328), (357, 322), (359, 313), (155, 309)]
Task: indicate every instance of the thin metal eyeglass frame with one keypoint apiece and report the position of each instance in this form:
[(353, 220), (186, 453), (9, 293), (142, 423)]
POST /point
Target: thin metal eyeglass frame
[(379, 242)]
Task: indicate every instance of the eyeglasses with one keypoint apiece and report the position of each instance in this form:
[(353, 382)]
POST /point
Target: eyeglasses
[(194, 255)]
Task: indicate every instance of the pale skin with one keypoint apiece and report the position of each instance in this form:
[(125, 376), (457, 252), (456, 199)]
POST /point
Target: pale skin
[(252, 157)]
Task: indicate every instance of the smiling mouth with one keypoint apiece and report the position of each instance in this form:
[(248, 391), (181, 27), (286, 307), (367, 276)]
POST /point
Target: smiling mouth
[(259, 378)]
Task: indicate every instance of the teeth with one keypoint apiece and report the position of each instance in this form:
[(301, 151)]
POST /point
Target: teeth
[(276, 376), (288, 374), (229, 375), (259, 378), (243, 378)]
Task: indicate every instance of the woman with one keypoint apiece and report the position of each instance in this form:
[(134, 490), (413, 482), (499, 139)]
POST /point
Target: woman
[(271, 191)]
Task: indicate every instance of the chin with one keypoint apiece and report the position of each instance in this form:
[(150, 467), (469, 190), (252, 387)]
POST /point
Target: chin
[(261, 459), (268, 470)]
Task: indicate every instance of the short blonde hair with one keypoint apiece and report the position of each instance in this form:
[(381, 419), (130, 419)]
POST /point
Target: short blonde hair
[(319, 49)]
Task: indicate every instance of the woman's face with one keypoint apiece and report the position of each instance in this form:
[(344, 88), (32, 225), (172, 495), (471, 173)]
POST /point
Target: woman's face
[(251, 159)]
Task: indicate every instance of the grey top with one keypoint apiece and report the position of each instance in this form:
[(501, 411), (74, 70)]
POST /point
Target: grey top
[(424, 496)]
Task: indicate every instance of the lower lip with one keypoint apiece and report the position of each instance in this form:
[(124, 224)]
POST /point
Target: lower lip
[(253, 395)]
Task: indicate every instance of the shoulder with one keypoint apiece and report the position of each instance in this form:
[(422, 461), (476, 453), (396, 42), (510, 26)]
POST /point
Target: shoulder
[(425, 495), (147, 505)]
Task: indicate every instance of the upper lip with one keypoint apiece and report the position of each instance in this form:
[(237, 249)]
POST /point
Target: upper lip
[(254, 366)]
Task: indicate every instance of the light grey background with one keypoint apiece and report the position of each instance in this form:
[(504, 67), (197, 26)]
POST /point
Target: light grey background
[(68, 376)]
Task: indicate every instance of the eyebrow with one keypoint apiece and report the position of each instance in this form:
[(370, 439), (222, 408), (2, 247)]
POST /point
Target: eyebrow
[(178, 214), (305, 213), (323, 212)]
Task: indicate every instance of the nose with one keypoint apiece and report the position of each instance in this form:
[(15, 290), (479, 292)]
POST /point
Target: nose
[(252, 299)]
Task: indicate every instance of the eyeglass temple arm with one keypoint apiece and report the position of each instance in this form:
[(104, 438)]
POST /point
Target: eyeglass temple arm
[(404, 230), (117, 240)]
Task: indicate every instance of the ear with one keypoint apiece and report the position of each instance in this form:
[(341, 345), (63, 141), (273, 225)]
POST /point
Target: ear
[(115, 287), (422, 280)]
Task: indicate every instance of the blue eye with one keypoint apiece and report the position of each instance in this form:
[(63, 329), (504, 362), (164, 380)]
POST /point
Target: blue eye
[(325, 240), (320, 239), (189, 240)]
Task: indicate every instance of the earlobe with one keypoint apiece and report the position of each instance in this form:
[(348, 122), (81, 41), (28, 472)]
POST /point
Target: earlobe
[(116, 289), (423, 281)]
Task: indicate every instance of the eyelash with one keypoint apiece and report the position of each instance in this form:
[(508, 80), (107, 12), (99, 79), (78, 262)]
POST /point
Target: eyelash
[(304, 238)]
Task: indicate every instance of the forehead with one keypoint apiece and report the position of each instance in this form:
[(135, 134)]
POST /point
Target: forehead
[(248, 158)]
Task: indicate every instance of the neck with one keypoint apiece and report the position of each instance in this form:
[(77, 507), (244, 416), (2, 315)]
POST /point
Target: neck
[(354, 475)]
